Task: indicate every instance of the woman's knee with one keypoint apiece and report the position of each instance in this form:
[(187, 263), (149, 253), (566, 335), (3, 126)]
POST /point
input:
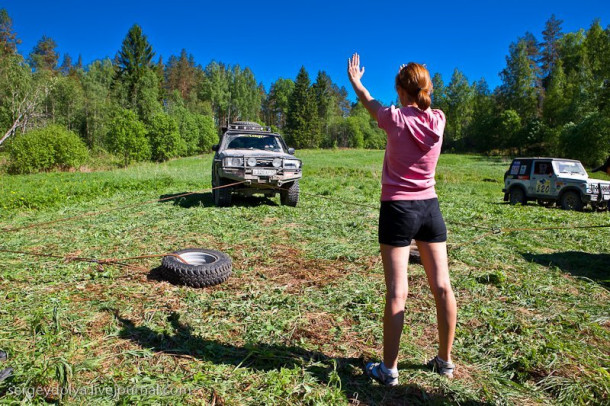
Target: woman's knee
[(442, 291), (397, 295)]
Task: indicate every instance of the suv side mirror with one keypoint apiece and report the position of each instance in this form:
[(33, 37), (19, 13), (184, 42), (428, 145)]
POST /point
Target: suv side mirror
[(291, 151), (215, 147)]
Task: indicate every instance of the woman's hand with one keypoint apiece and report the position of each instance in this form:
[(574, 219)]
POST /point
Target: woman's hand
[(353, 68), (355, 73)]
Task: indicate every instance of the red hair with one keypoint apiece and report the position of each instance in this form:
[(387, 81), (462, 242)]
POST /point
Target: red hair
[(415, 80)]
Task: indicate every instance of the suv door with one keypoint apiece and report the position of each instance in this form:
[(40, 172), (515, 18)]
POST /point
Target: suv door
[(542, 183)]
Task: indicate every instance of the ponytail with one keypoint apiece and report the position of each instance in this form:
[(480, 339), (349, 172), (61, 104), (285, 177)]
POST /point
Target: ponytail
[(415, 80)]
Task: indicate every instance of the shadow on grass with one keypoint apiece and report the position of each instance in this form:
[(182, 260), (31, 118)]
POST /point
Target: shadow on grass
[(206, 200), (266, 357), (595, 267)]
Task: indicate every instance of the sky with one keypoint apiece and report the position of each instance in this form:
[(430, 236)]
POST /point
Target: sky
[(275, 38)]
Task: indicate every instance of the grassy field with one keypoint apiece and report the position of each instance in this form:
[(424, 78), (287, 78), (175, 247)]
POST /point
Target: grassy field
[(301, 314)]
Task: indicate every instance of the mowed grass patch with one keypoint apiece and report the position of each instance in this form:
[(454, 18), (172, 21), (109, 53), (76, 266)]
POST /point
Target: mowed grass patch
[(301, 314)]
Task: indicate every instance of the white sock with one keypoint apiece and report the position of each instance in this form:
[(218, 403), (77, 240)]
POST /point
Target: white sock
[(387, 370), (442, 360)]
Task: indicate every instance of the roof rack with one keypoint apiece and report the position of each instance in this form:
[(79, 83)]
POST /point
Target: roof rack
[(248, 126)]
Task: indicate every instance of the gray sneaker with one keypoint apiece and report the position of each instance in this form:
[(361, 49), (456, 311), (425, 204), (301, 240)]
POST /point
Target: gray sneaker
[(443, 368), (373, 369)]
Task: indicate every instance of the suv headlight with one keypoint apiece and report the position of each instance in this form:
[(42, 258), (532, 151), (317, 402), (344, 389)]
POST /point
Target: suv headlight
[(292, 163), (251, 161), (277, 162), (233, 162)]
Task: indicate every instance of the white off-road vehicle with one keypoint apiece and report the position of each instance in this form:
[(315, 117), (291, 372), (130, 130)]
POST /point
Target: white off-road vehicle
[(554, 180), (260, 159)]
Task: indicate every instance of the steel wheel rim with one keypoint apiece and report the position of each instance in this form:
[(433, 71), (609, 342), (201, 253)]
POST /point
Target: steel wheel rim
[(198, 258)]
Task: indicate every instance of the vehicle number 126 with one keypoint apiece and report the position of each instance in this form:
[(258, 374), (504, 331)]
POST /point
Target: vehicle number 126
[(543, 187)]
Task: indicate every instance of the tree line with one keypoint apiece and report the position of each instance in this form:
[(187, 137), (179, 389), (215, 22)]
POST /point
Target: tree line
[(553, 100)]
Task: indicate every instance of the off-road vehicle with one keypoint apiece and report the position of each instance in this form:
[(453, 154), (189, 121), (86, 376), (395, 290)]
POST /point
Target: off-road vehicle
[(554, 180), (253, 154)]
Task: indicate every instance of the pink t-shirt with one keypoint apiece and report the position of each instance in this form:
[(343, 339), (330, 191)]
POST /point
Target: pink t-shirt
[(414, 144)]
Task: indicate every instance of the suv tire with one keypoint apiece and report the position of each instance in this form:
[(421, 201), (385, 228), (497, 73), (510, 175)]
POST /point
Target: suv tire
[(571, 200), (516, 196), (205, 267), (290, 196), (222, 196)]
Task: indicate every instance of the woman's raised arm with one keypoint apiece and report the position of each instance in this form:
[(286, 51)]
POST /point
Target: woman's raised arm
[(355, 74)]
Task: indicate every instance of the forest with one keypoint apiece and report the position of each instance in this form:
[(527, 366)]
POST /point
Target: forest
[(554, 99)]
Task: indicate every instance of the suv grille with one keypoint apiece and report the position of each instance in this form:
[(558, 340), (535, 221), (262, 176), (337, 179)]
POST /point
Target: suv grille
[(264, 163)]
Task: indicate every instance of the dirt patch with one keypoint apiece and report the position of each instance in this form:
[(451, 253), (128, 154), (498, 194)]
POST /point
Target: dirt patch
[(289, 268)]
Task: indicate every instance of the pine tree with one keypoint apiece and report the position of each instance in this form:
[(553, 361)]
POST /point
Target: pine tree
[(66, 65), (325, 100), (133, 61), (8, 38), (302, 119), (181, 74), (549, 54), (44, 56)]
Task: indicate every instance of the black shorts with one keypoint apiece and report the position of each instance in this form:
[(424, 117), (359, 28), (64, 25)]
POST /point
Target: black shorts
[(401, 221)]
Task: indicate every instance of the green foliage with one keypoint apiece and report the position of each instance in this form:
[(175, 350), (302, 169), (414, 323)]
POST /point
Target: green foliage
[(208, 135), (519, 82), (44, 56), (133, 61), (587, 141), (96, 84), (302, 128), (127, 137), (65, 102), (8, 39), (47, 148), (276, 105), (459, 97), (164, 138)]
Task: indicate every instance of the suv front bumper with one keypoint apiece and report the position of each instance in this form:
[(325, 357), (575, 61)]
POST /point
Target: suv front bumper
[(275, 177)]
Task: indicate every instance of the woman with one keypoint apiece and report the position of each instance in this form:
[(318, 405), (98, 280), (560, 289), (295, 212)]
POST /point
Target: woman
[(410, 210)]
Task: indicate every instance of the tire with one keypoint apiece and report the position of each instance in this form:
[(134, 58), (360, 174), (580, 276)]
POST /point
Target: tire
[(222, 197), (205, 267), (290, 196), (516, 196), (571, 200)]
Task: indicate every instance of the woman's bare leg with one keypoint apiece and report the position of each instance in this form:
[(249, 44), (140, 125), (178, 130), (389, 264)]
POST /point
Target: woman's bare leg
[(395, 262), (434, 260)]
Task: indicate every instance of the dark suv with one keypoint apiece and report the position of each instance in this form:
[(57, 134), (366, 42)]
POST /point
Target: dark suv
[(258, 157)]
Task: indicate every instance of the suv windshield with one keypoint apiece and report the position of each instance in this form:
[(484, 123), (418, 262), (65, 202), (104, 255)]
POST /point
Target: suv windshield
[(569, 167), (254, 141)]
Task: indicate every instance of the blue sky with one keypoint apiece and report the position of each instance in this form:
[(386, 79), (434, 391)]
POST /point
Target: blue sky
[(274, 38)]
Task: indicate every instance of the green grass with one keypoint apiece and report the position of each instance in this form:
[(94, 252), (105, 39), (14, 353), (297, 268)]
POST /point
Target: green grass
[(302, 312)]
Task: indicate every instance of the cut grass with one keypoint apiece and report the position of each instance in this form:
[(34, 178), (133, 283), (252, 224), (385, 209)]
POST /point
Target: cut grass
[(302, 312)]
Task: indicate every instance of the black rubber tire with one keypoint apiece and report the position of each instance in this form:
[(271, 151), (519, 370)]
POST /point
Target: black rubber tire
[(216, 271), (289, 196), (222, 197), (571, 200), (516, 195)]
